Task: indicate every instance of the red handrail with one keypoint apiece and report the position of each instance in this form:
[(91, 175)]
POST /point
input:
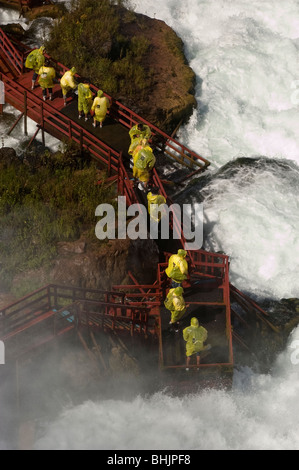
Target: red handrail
[(46, 115), (14, 56), (129, 118)]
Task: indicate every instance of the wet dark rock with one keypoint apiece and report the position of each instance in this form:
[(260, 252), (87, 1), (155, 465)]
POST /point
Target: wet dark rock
[(14, 30), (78, 247), (283, 313), (108, 264)]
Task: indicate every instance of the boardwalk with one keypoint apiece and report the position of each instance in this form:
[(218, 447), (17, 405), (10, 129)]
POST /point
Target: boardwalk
[(144, 314), (108, 145)]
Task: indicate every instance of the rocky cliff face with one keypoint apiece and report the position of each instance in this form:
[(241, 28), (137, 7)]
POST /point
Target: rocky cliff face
[(102, 266), (91, 265), (171, 100)]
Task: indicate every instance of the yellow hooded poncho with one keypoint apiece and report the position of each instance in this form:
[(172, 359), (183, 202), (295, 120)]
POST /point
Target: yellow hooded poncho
[(46, 77), (175, 303), (36, 59), (67, 81), (144, 161), (137, 135), (84, 98), (177, 269), (153, 210), (195, 336), (100, 106)]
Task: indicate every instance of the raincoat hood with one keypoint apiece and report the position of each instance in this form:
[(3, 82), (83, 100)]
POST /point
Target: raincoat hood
[(178, 291), (182, 253), (194, 322)]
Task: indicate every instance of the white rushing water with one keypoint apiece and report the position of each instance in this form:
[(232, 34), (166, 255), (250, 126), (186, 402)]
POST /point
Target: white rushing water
[(245, 56), (9, 15), (259, 413), (16, 138)]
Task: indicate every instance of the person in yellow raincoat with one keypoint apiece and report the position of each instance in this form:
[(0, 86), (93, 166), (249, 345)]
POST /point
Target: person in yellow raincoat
[(68, 82), (100, 106), (155, 200), (176, 304), (84, 99), (35, 60), (177, 269), (46, 79), (137, 133), (143, 162), (195, 336)]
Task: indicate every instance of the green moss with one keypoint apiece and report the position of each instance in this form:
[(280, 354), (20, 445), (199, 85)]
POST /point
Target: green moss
[(175, 45), (89, 38), (54, 200), (26, 285)]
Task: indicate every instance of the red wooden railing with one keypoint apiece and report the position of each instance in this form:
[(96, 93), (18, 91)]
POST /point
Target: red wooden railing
[(14, 56), (52, 120), (161, 141), (120, 113), (124, 185), (88, 307)]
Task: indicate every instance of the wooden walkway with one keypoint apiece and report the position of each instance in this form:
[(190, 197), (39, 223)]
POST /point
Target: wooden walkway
[(109, 145)]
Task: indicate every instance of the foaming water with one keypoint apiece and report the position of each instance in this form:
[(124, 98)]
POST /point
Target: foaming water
[(260, 412), (17, 139), (10, 15), (252, 215), (245, 58)]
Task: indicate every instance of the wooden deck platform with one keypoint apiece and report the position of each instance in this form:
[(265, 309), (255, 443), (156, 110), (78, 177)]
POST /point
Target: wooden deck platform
[(113, 134)]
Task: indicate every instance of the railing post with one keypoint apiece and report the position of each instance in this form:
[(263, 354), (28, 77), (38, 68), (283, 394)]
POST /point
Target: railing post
[(55, 297), (49, 298), (23, 63), (106, 306), (54, 325), (25, 113), (74, 298)]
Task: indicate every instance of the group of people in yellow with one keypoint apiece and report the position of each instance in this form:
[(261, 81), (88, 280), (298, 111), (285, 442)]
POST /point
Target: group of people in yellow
[(87, 104), (195, 335), (142, 154), (144, 160), (143, 163)]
